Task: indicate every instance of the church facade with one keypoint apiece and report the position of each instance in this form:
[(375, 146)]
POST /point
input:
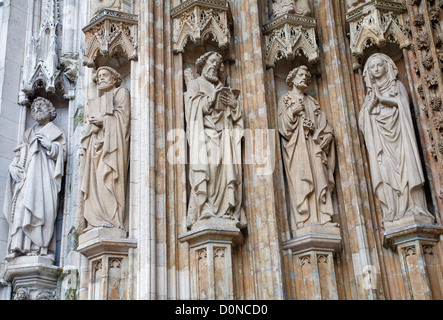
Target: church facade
[(221, 149)]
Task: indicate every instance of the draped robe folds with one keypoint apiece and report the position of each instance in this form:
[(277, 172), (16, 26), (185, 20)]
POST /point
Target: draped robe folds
[(104, 164), (31, 203), (309, 169), (300, 7), (215, 156), (396, 171)]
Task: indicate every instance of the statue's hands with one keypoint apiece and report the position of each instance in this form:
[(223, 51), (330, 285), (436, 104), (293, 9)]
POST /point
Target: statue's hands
[(297, 110), (228, 99), (44, 141), (97, 120)]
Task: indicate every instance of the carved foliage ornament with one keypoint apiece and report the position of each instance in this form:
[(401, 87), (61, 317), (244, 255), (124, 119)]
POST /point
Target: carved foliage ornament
[(289, 36), (376, 23), (111, 33), (199, 21)]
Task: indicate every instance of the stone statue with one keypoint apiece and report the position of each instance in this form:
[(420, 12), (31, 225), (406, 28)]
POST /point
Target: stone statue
[(215, 128), (300, 7), (308, 153), (386, 122), (33, 185), (98, 5), (105, 156), (69, 61)]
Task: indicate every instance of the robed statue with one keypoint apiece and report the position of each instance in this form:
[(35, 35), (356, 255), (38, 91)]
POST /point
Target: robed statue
[(308, 154), (104, 156), (33, 185), (214, 122), (299, 7), (386, 122)]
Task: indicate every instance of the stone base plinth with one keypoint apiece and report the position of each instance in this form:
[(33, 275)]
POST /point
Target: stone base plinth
[(102, 241), (409, 229), (315, 237), (211, 261), (107, 251), (414, 239), (313, 251), (32, 278)]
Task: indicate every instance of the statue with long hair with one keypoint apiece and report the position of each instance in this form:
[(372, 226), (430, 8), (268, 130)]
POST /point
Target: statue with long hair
[(386, 122)]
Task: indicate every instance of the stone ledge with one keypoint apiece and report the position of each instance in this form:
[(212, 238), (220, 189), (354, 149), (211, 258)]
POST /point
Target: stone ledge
[(412, 232), (317, 238), (105, 241), (206, 234)]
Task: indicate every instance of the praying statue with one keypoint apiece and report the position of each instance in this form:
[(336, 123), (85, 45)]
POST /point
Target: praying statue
[(308, 154), (386, 122), (105, 156), (215, 129), (33, 185)]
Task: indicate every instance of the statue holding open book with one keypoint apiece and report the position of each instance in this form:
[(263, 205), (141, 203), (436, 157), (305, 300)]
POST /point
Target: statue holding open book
[(215, 128)]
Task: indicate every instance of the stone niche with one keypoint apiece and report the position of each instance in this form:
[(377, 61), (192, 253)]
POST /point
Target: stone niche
[(289, 36), (375, 23)]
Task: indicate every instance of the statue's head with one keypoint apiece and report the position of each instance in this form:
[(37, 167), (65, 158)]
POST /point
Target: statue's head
[(210, 66), (107, 79), (379, 66), (300, 78), (70, 63), (43, 111)]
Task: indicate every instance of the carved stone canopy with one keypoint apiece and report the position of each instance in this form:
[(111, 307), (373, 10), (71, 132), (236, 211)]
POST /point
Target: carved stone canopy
[(201, 21), (376, 23), (289, 36), (111, 34)]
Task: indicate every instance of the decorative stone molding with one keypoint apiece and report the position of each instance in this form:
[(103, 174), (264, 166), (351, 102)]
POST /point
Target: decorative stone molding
[(289, 36), (200, 21), (313, 249), (376, 23), (42, 71), (211, 250), (111, 33), (107, 251), (32, 278)]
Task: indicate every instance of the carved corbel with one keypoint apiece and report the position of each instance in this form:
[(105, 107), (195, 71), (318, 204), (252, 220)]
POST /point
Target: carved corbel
[(111, 33), (376, 23), (200, 21), (289, 36)]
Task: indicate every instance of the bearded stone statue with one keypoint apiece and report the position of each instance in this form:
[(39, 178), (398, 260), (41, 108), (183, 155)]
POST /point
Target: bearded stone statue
[(308, 154), (33, 185), (215, 128)]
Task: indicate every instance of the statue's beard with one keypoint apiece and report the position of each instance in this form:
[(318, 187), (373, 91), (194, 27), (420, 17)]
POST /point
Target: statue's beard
[(40, 116), (105, 86), (210, 76), (302, 85)]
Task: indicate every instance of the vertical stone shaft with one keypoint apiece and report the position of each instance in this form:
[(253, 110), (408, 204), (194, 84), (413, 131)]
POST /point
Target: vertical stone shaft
[(260, 204), (352, 186)]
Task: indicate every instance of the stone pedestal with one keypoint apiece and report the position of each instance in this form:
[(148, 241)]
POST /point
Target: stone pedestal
[(414, 239), (107, 251), (211, 261), (313, 249), (32, 278)]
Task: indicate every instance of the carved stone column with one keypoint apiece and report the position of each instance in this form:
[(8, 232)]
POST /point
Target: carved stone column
[(32, 278), (211, 261), (313, 251)]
